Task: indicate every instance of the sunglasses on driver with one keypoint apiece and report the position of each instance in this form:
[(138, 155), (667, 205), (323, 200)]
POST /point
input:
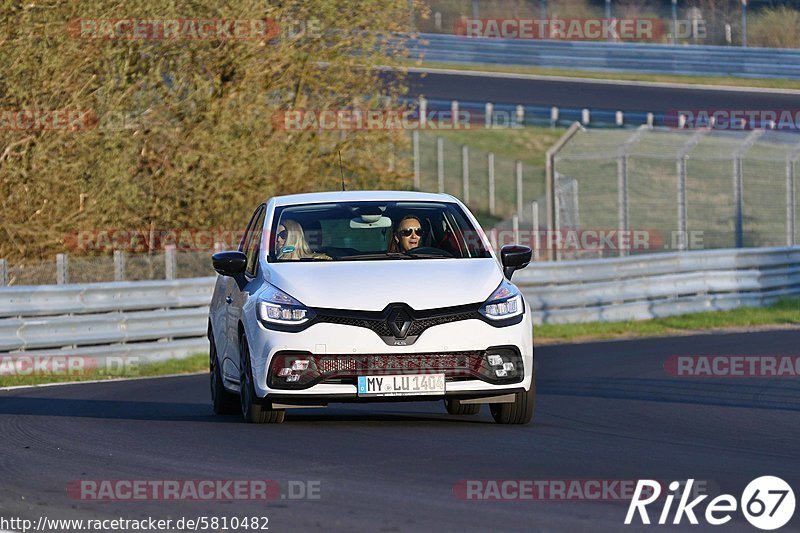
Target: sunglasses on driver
[(406, 232)]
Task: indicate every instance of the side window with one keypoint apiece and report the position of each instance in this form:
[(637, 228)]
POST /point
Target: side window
[(253, 244), (245, 242)]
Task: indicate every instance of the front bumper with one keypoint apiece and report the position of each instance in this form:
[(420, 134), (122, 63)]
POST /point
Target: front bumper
[(356, 343)]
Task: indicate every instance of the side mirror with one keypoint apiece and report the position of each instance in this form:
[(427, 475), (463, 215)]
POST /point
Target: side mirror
[(231, 264), (514, 257)]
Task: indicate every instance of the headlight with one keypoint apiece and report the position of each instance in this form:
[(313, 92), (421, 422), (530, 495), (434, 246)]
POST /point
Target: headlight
[(505, 302), (277, 307)]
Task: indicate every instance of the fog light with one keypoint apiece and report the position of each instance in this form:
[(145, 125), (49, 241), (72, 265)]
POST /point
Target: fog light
[(500, 373), (495, 360), (300, 365), (508, 366), (292, 378), (283, 372)]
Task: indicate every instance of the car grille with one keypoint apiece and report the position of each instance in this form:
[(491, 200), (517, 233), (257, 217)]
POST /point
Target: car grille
[(379, 321), (418, 326), (354, 365)]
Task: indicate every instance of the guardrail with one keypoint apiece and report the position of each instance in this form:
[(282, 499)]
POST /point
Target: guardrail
[(659, 285), (151, 320), (610, 57), (167, 319)]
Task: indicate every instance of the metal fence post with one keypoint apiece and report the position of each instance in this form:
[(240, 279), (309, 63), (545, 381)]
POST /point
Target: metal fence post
[(454, 112), (535, 230), (681, 169), (440, 164), (519, 186), (744, 23), (520, 115), (738, 185), (680, 162), (622, 198), (62, 269), (415, 143), (551, 224), (738, 206), (515, 227), (423, 111), (119, 265), (622, 183), (465, 172), (553, 116), (489, 115), (171, 263), (791, 193), (3, 272), (491, 183), (790, 203), (673, 37)]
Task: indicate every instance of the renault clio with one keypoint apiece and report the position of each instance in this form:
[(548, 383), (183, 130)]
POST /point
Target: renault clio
[(369, 297)]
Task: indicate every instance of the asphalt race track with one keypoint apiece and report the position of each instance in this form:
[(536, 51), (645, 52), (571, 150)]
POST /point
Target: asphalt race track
[(623, 96), (605, 411)]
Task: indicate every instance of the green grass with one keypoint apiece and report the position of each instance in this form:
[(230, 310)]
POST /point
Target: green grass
[(194, 363), (785, 312), (622, 76)]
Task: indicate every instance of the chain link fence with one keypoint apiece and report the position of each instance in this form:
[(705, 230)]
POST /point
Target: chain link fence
[(608, 192), (494, 187), (117, 266), (682, 189)]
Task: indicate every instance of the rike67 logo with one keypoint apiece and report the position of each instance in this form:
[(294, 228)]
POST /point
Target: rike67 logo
[(767, 503)]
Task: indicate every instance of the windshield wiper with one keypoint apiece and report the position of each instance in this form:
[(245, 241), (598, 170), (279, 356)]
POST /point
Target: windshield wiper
[(387, 255), (393, 255), (427, 256)]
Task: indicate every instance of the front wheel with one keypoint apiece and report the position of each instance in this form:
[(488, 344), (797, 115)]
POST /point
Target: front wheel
[(519, 412), (222, 401), (253, 408)]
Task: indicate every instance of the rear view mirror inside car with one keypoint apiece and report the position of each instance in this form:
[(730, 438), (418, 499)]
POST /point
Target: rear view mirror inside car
[(371, 221)]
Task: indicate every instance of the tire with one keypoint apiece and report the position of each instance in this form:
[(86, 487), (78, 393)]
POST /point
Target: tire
[(254, 410), (455, 407), (519, 412), (222, 401)]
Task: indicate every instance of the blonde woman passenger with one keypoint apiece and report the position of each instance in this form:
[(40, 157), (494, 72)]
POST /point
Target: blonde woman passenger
[(291, 244)]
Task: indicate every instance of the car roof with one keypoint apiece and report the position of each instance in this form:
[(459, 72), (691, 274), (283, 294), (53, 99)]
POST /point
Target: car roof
[(355, 196)]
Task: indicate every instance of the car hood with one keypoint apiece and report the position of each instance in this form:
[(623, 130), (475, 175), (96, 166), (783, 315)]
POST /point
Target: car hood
[(372, 285)]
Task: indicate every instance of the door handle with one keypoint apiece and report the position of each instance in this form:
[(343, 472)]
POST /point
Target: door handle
[(228, 299)]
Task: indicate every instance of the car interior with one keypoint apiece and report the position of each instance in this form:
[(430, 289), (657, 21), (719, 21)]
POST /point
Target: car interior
[(330, 231)]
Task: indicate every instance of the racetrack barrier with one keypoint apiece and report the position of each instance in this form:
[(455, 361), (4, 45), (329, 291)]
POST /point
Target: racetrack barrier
[(696, 60), (168, 318)]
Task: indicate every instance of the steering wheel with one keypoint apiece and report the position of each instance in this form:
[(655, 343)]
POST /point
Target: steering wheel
[(429, 250)]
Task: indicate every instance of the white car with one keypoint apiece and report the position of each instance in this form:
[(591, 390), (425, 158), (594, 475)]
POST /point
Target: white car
[(369, 297)]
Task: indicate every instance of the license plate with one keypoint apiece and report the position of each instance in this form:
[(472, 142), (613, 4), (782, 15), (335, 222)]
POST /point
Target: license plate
[(402, 385)]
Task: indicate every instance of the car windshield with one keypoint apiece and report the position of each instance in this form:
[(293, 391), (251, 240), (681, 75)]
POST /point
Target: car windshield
[(372, 231)]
